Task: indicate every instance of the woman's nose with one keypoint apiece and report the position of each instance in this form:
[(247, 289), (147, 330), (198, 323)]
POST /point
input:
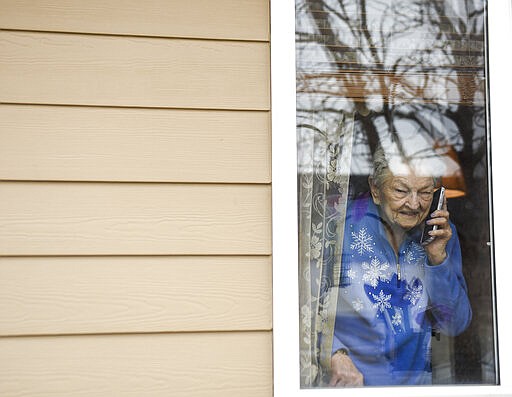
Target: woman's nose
[(414, 201)]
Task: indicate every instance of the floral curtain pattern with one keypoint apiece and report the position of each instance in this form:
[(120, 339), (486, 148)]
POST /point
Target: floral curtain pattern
[(323, 182)]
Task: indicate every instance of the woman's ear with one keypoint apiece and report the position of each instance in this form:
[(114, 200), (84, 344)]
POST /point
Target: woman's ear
[(374, 190)]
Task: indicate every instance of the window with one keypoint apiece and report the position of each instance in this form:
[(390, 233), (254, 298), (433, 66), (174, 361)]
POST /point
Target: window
[(347, 93)]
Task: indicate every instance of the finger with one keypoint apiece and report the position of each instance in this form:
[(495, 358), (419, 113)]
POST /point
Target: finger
[(442, 222), (438, 233), (440, 214), (441, 233), (338, 382), (354, 380), (359, 382), (335, 381), (341, 381)]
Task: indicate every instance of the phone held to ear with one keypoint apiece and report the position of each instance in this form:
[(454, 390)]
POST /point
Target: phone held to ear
[(437, 204)]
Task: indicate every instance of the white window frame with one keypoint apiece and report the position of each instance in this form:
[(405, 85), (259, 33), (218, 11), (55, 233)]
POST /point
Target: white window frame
[(284, 204)]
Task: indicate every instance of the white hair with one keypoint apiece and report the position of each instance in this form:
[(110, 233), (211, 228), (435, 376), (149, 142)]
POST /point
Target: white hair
[(408, 150)]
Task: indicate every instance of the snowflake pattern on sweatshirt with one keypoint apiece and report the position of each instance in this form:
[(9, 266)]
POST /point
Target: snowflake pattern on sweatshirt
[(362, 241), (375, 271)]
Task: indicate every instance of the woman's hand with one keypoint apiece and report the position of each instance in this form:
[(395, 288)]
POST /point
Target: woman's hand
[(436, 250), (344, 372)]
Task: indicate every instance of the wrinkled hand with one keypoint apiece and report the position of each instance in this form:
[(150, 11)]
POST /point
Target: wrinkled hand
[(344, 372), (436, 250)]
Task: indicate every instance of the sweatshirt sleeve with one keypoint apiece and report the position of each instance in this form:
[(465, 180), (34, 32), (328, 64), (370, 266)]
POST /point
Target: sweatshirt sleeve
[(448, 298), (337, 344)]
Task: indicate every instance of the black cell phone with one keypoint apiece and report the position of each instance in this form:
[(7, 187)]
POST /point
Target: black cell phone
[(437, 204)]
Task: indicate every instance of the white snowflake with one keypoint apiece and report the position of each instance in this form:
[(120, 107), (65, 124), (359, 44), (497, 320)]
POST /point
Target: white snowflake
[(409, 256), (375, 271), (381, 301), (414, 293), (396, 319), (351, 274), (358, 305), (414, 253), (361, 241)]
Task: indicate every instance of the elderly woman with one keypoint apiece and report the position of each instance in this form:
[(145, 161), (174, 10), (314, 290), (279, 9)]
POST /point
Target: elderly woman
[(394, 291)]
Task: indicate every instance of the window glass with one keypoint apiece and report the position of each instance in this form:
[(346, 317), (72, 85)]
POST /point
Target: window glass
[(392, 107)]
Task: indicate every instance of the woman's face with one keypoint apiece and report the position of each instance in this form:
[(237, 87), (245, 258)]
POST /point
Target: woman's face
[(404, 200)]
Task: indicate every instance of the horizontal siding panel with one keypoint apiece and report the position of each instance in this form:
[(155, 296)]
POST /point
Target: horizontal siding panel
[(70, 69), (212, 364), (60, 218), (77, 295), (219, 19), (128, 144)]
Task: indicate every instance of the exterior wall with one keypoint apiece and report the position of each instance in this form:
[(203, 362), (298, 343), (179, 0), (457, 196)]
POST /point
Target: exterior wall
[(135, 217)]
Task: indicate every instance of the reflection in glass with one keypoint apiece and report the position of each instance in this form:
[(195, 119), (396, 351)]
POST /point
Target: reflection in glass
[(410, 77)]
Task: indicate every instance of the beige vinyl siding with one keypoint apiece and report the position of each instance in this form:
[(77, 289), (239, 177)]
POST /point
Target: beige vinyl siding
[(77, 295), (134, 144), (183, 365), (77, 69), (219, 19), (48, 218), (135, 198)]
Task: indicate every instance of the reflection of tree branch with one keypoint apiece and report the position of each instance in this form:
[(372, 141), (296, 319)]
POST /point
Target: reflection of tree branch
[(342, 17), (334, 111), (393, 70), (316, 8), (312, 127), (305, 37), (366, 32)]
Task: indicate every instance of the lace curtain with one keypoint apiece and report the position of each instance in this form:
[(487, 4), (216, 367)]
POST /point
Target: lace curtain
[(323, 182)]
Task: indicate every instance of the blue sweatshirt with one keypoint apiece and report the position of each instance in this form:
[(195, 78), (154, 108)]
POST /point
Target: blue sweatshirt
[(388, 303)]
